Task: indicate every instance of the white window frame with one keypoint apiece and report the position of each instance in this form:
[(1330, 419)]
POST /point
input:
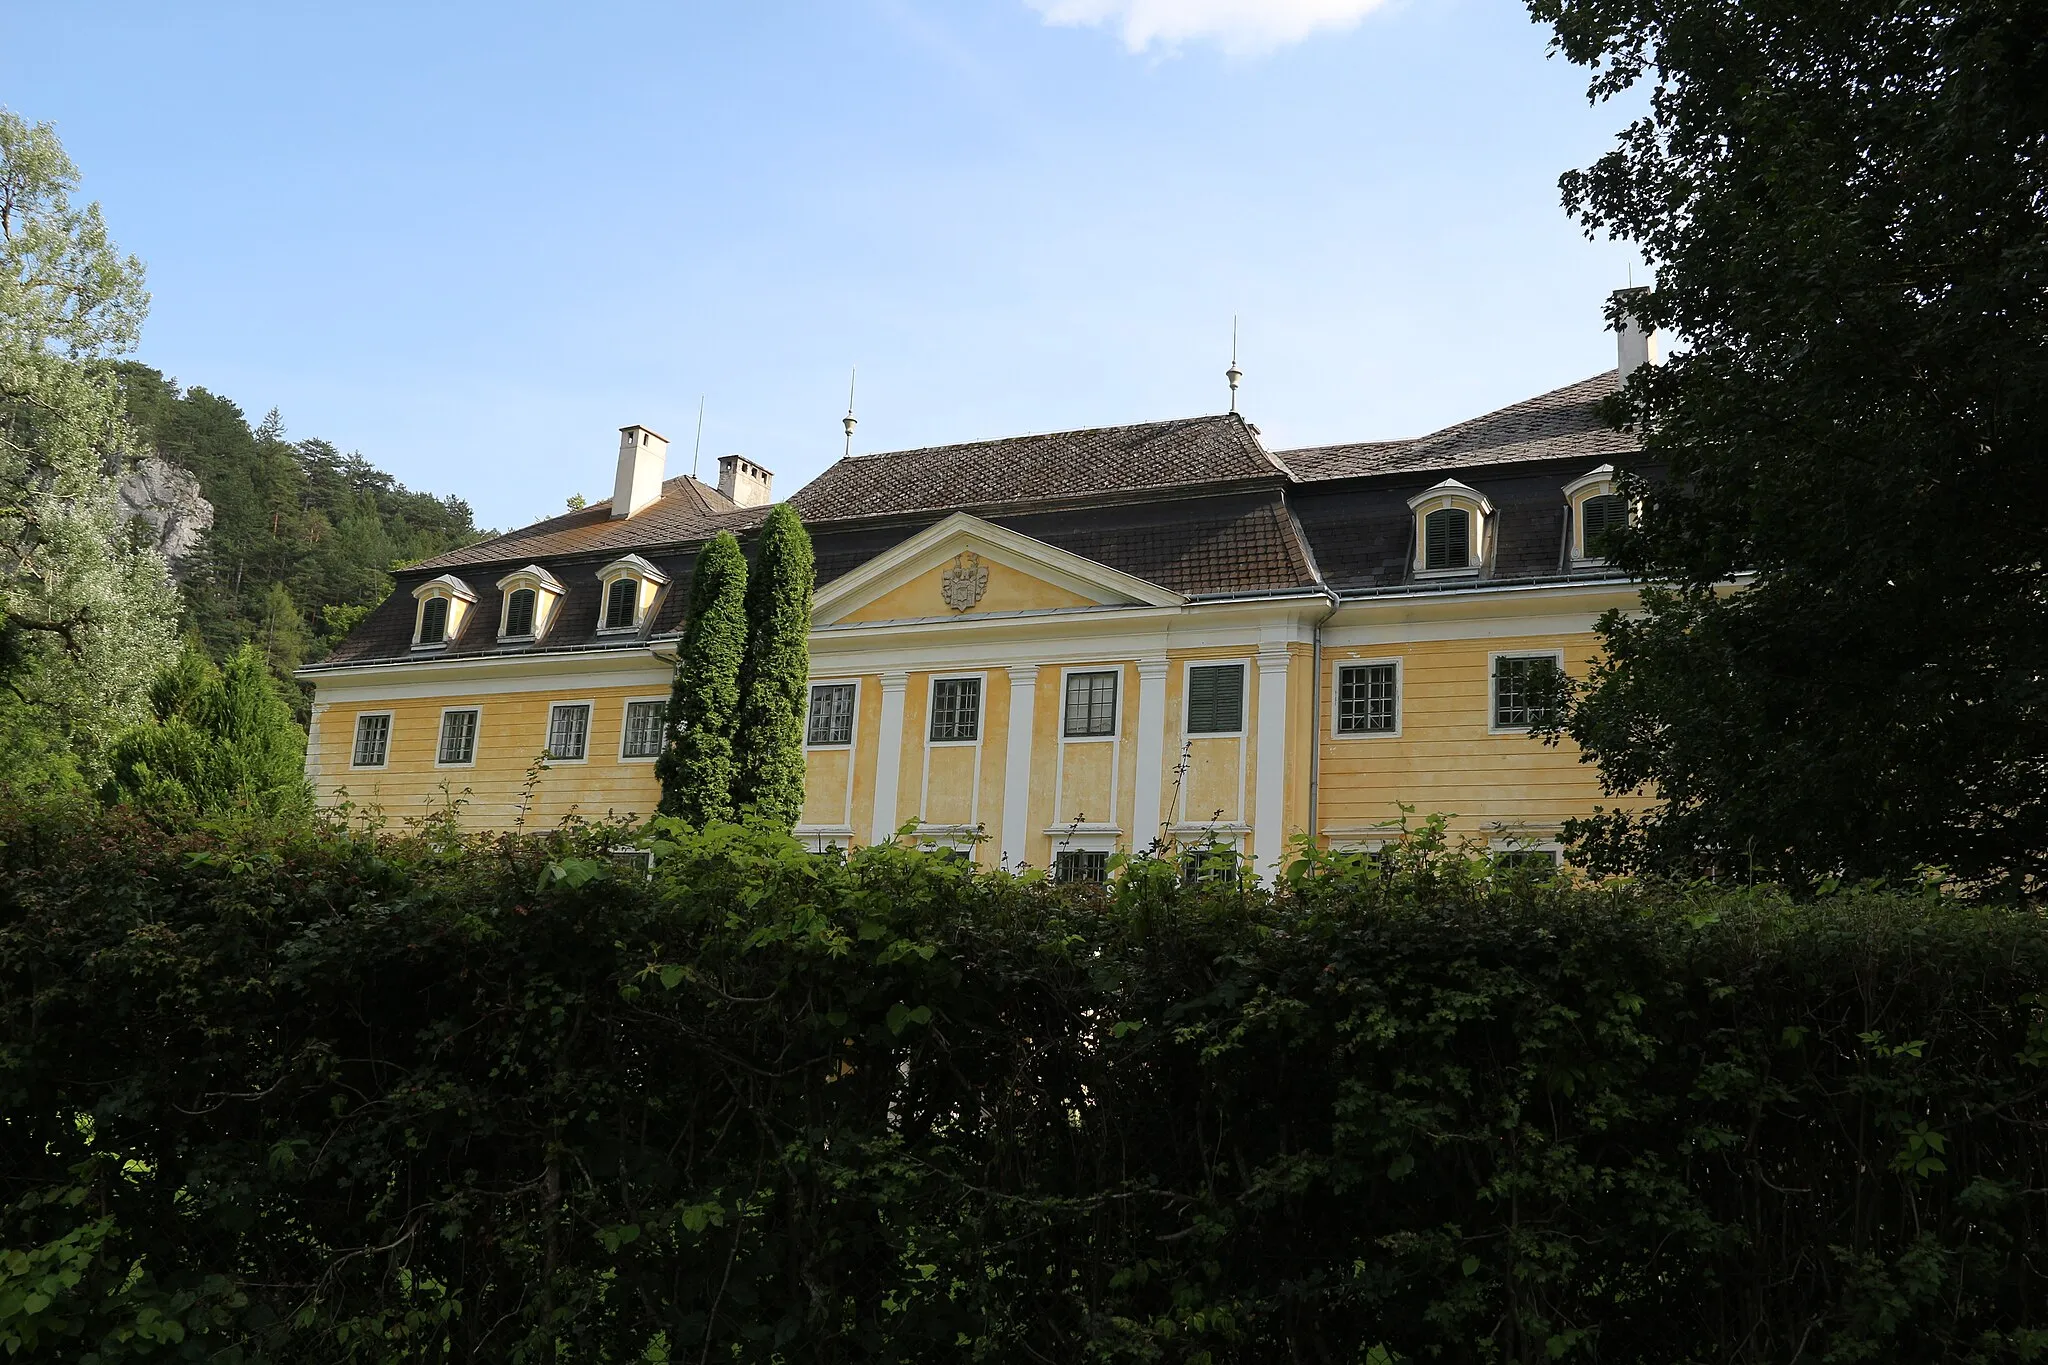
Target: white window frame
[(1116, 717), (626, 705), (475, 740), (853, 727), (1400, 698), (589, 728), (547, 594), (419, 620), (1451, 493), (1592, 484), (355, 740), (931, 695), (1545, 842), (1244, 708), (644, 576), (1493, 684), (505, 611)]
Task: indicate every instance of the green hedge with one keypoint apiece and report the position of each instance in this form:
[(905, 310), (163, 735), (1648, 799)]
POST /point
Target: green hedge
[(320, 1096)]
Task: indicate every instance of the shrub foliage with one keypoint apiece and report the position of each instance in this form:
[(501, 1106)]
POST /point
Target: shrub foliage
[(697, 766), (322, 1096), (775, 680)]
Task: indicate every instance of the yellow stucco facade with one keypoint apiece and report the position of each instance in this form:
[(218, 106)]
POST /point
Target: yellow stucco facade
[(1015, 783)]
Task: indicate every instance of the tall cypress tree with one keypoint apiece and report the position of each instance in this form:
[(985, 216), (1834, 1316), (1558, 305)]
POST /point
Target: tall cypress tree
[(777, 673), (696, 768)]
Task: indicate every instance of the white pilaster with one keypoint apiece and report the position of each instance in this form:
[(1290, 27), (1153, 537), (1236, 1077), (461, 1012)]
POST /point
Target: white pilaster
[(1268, 831), (1017, 764), (1151, 774), (889, 756)]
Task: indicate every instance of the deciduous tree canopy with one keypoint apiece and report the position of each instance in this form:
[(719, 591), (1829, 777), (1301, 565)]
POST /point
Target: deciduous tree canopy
[(1847, 208)]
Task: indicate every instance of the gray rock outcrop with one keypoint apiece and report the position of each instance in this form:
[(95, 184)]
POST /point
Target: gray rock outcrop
[(166, 499)]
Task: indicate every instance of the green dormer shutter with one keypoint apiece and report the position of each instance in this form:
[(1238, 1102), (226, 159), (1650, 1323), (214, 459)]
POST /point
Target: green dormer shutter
[(1447, 539), (1598, 518)]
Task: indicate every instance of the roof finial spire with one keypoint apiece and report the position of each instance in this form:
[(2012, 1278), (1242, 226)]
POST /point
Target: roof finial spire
[(850, 421), (698, 448), (1233, 374)]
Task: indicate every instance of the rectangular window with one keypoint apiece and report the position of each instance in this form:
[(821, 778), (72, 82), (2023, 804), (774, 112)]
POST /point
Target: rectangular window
[(1533, 863), (1214, 863), (1517, 680), (831, 719), (1216, 699), (1367, 699), (643, 737), (1091, 704), (458, 737), (1081, 865), (569, 731), (373, 740), (956, 709)]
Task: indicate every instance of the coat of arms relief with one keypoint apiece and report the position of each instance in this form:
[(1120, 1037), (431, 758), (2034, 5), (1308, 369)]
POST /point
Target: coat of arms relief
[(964, 581)]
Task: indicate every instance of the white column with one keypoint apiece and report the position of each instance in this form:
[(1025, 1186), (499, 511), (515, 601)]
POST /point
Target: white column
[(1017, 764), (888, 757), (1268, 831), (1151, 774)]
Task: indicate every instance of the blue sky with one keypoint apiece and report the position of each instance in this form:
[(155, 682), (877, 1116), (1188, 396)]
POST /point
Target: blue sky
[(473, 240)]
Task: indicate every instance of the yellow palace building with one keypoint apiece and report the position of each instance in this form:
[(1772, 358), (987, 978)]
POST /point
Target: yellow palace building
[(1041, 648)]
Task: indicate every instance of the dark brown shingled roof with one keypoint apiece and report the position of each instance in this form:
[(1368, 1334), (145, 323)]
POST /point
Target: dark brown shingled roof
[(686, 510), (1061, 464), (1561, 424)]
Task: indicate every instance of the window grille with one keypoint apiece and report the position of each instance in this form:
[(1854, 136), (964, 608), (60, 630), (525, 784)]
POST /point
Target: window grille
[(1367, 701), (622, 604), (831, 719), (1516, 681), (644, 736), (1534, 863), (519, 613), (1091, 704), (373, 741), (956, 709), (1213, 863), (1081, 865), (1447, 539), (1599, 518), (1216, 699), (433, 620), (458, 736), (569, 731)]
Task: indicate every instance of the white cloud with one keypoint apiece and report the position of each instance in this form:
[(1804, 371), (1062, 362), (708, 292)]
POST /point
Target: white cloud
[(1236, 26)]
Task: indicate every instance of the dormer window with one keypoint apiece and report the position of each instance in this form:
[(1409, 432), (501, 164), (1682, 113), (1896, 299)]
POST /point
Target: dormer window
[(629, 586), (1598, 510), (1452, 522), (531, 596), (444, 605)]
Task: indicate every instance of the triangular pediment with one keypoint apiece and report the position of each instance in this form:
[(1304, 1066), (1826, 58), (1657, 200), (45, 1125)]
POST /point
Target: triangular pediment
[(964, 566)]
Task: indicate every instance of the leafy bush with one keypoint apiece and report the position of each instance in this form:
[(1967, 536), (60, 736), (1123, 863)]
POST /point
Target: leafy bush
[(319, 1095)]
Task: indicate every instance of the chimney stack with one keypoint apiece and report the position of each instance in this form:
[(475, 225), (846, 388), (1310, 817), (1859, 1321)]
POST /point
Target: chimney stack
[(743, 481), (1634, 345), (643, 459)]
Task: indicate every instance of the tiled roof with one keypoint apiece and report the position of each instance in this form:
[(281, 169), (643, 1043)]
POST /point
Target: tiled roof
[(1143, 458), (686, 510), (1561, 424)]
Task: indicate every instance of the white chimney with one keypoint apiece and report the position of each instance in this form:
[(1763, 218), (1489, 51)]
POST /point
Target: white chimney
[(643, 459), (743, 481), (1634, 345)]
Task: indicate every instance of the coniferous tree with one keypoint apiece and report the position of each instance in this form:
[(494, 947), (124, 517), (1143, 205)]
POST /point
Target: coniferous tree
[(223, 740), (777, 673), (696, 768)]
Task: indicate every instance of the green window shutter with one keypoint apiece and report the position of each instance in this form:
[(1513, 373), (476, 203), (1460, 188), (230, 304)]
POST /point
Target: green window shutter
[(1215, 699), (1447, 539), (1598, 518), (622, 604), (434, 621), (519, 612)]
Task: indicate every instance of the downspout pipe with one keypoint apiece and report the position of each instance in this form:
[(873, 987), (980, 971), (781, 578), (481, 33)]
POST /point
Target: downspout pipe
[(1315, 720)]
